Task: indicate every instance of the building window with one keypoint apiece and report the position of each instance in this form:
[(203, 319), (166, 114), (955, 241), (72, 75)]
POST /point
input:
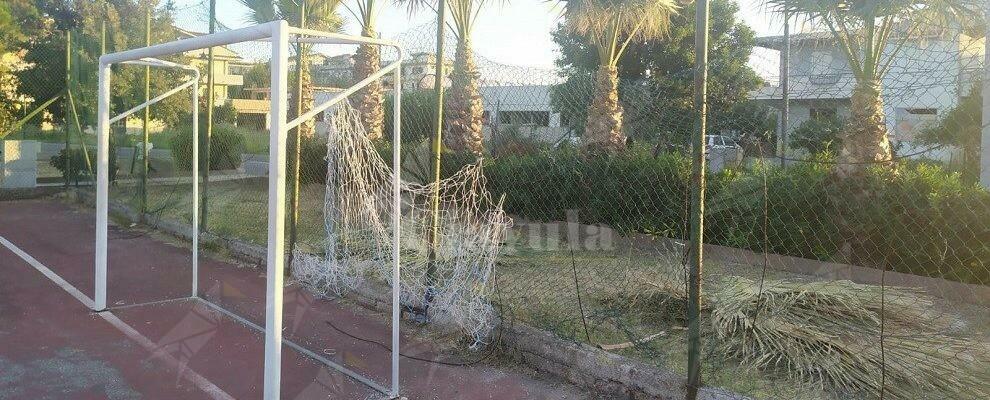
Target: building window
[(535, 118), (822, 113), (911, 121)]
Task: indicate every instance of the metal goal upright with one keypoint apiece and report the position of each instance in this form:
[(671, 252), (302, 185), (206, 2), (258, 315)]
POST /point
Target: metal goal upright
[(280, 35)]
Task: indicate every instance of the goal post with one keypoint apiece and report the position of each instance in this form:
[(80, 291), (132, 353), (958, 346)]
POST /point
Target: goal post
[(279, 34)]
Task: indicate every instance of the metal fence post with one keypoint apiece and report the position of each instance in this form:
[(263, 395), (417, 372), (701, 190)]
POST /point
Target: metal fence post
[(205, 203), (147, 117), (437, 148), (985, 130), (297, 143), (65, 107), (697, 199), (785, 70)]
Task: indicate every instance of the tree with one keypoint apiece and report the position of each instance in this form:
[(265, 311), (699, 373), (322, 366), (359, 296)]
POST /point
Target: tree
[(258, 76), (610, 26), (367, 61), (463, 108), (44, 52), (870, 35), (320, 15), (656, 77), (16, 20), (962, 126)]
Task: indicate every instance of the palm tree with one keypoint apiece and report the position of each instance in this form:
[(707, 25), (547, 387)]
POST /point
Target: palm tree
[(870, 35), (609, 26), (320, 15), (367, 61), (463, 105)]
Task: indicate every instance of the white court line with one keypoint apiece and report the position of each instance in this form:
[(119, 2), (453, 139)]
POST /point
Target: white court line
[(202, 383), (51, 275)]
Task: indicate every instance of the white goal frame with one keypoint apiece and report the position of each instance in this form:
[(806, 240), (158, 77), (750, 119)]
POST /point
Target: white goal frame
[(280, 35)]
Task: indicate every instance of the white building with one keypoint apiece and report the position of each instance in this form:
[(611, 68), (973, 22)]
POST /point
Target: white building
[(926, 79), (523, 107)]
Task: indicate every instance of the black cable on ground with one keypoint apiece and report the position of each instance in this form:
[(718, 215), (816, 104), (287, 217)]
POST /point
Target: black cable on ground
[(382, 345), (577, 289), (490, 351)]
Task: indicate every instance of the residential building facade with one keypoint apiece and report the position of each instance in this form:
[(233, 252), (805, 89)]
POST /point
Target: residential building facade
[(927, 77)]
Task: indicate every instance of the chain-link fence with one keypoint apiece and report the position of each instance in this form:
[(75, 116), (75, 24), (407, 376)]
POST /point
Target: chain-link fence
[(846, 249)]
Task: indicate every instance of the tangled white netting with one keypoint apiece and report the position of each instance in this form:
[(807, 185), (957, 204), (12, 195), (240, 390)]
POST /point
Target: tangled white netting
[(358, 211)]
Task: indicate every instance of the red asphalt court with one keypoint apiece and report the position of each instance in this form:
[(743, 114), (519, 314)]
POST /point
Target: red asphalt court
[(53, 347)]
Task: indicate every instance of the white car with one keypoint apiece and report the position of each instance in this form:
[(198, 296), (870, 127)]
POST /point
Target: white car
[(719, 142), (721, 152)]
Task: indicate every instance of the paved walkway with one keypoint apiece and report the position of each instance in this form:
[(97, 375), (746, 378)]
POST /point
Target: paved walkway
[(53, 347)]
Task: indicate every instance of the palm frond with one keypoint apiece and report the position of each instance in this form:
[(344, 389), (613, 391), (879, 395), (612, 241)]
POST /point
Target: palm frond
[(828, 335), (261, 11), (610, 25), (643, 19), (320, 14), (463, 13)]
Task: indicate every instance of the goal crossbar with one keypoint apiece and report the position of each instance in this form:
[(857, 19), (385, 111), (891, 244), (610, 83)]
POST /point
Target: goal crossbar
[(278, 33)]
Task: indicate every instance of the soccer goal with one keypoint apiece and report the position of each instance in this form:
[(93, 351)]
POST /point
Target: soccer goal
[(278, 35)]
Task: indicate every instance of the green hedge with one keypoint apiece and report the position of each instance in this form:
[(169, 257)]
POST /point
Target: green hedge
[(923, 220), (226, 146)]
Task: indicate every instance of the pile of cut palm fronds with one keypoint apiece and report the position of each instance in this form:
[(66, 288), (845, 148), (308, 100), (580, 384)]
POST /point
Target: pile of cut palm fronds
[(828, 334)]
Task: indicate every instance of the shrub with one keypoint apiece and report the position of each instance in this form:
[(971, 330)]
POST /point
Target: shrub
[(419, 108), (77, 167), (817, 135), (631, 191), (226, 146), (312, 160), (510, 140), (222, 114)]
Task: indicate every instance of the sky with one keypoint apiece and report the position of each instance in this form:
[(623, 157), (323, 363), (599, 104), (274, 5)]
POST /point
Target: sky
[(517, 32)]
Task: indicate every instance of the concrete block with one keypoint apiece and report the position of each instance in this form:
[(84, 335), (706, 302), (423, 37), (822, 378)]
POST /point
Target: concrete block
[(19, 162), (255, 168)]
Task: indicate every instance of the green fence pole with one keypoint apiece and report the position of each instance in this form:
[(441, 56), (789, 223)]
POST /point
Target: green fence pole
[(79, 132), (205, 160), (696, 255), (65, 107), (431, 269), (17, 124), (296, 151), (147, 117), (103, 50)]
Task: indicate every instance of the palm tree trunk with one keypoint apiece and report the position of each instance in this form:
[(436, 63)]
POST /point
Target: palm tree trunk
[(603, 129), (369, 100), (307, 128), (865, 145), (464, 108), (864, 140)]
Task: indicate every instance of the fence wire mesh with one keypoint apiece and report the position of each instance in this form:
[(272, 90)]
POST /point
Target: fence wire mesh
[(846, 241)]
